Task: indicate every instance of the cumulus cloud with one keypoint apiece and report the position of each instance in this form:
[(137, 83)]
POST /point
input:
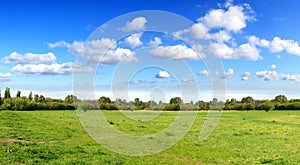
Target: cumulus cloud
[(155, 42), (253, 40), (244, 51), (51, 69), (228, 73), (268, 75), (245, 76), (163, 74), (29, 58), (233, 19), (134, 40), (220, 36), (203, 73), (103, 51), (59, 44), (273, 66), (5, 77), (277, 45), (290, 46), (136, 24), (177, 52)]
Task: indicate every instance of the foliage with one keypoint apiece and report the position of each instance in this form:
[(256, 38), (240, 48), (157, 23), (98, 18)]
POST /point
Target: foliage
[(39, 102)]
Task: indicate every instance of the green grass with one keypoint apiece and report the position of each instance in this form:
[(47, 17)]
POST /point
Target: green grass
[(244, 137)]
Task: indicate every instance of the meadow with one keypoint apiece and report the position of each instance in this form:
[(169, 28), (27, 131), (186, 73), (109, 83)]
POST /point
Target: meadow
[(241, 137)]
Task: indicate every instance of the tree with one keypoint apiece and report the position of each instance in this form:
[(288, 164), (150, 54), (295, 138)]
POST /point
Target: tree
[(30, 96), (176, 100), (268, 105), (280, 99), (70, 99), (7, 93), (42, 98), (104, 100), (36, 98), (248, 100), (18, 94)]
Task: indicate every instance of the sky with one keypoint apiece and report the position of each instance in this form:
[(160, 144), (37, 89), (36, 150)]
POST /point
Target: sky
[(151, 49)]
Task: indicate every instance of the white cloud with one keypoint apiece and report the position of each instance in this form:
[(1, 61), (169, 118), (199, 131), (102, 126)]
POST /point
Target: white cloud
[(29, 58), (59, 44), (268, 75), (103, 51), (51, 69), (203, 73), (136, 24), (163, 74), (277, 45), (234, 19), (228, 73), (245, 76), (177, 52), (253, 40), (198, 31), (5, 77), (155, 42), (273, 75), (134, 40), (244, 51), (228, 3), (221, 36), (273, 66), (291, 77), (290, 46)]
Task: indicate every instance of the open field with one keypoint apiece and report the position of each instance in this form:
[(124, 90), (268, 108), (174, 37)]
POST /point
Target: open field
[(241, 137)]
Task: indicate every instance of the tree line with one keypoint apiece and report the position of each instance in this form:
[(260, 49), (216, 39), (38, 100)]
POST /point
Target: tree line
[(71, 102)]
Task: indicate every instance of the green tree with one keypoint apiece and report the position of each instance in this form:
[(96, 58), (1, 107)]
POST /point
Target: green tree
[(18, 94), (36, 98), (7, 93), (267, 105), (176, 100), (280, 99), (248, 100), (18, 103), (42, 98), (70, 99), (30, 96), (104, 100)]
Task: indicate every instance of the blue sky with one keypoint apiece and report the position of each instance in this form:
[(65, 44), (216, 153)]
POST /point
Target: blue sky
[(43, 42)]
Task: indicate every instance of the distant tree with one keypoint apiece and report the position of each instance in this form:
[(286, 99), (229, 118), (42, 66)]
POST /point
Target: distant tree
[(202, 105), (176, 100), (248, 100), (280, 99), (36, 98), (85, 105), (41, 98), (7, 93), (70, 99), (216, 105), (267, 105), (7, 104), (30, 96), (18, 103), (18, 94), (104, 100)]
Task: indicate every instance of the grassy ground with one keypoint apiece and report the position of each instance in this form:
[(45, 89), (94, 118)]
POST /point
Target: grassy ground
[(57, 137)]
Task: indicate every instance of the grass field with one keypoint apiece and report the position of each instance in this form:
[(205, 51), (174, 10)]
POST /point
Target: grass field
[(241, 137)]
